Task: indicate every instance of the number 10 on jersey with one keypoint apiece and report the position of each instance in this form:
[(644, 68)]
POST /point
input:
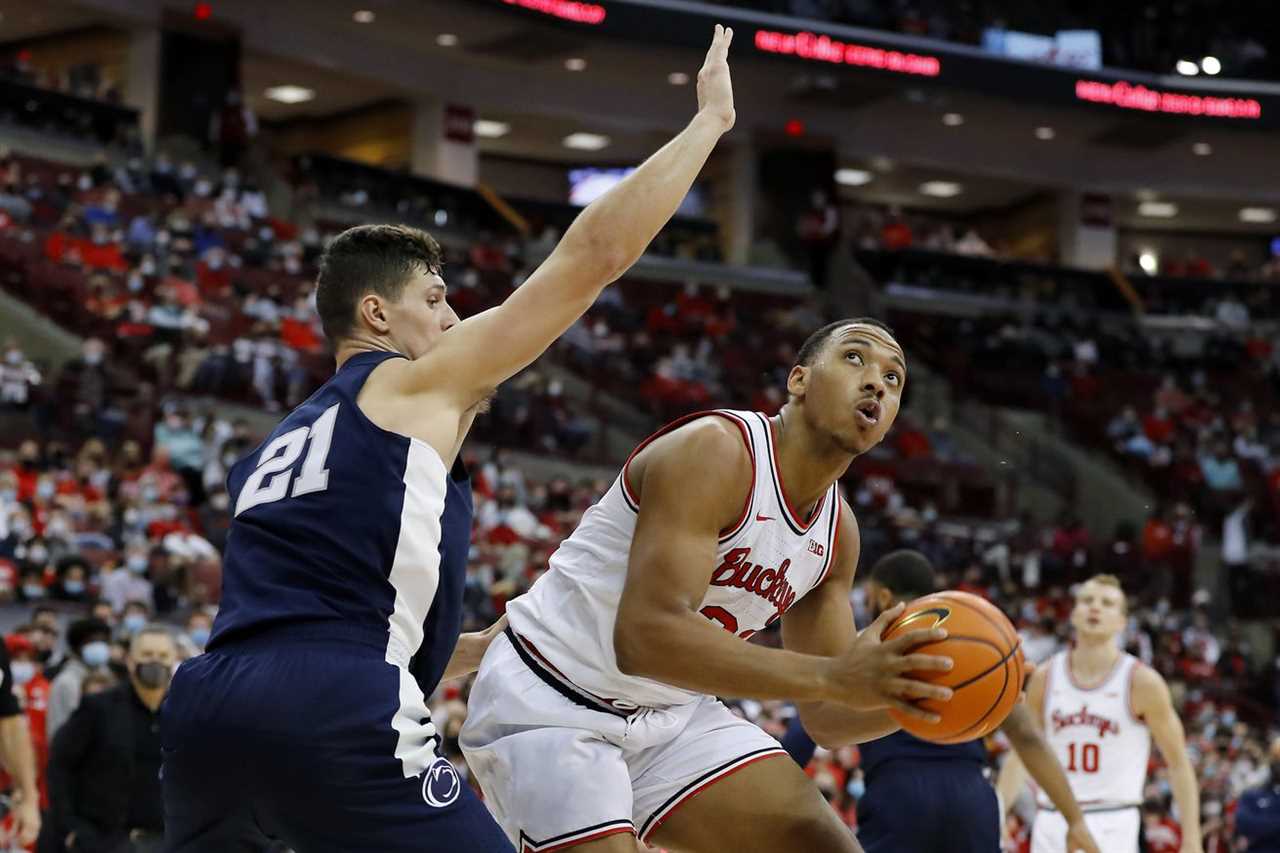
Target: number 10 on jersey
[(269, 482), (1082, 757)]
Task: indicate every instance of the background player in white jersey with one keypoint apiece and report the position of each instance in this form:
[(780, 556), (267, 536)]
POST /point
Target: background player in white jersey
[(593, 717), (1100, 709)]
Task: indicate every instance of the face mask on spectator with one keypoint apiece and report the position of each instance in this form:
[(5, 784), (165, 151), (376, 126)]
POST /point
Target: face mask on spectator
[(200, 636), (73, 587), (45, 490), (220, 502), (8, 495), (149, 494), (23, 671), (32, 590), (153, 674), (92, 357), (137, 564), (134, 622), (14, 356), (95, 654), (135, 283), (857, 788)]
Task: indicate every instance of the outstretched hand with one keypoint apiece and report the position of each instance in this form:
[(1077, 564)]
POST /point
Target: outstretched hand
[(715, 88)]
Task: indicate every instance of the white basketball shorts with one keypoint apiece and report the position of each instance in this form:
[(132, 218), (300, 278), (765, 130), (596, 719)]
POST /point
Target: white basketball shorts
[(556, 772), (1115, 831)]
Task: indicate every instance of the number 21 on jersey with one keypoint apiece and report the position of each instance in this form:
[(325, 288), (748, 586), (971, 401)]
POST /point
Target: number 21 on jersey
[(270, 481)]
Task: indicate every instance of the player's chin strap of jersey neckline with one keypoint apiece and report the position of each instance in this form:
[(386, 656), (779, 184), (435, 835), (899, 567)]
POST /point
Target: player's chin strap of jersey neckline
[(556, 680)]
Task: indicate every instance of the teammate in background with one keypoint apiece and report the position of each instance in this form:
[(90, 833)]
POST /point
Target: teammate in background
[(593, 717), (1100, 709), (925, 797), (306, 719)]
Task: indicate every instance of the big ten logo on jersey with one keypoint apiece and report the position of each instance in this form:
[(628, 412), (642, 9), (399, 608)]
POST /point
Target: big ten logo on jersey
[(739, 572), (270, 481)]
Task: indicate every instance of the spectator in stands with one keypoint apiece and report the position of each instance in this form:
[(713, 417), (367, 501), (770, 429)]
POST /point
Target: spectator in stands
[(1220, 469), (128, 580), (88, 641), (104, 770), (819, 229), (17, 757), (33, 691), (18, 376), (1258, 812)]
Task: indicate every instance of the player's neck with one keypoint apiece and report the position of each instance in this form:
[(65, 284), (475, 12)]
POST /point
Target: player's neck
[(1092, 658), (808, 465), (357, 346)]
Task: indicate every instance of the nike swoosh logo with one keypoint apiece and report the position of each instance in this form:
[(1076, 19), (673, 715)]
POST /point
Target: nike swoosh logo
[(764, 517)]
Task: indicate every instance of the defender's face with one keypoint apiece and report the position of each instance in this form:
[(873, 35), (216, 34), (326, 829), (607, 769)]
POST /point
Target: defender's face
[(1099, 610), (852, 390), (421, 315)]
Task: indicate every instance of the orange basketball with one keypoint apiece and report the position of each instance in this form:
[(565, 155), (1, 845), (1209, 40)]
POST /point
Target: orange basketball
[(988, 669)]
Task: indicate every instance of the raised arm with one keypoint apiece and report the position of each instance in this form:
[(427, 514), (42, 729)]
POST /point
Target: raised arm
[(692, 484), (821, 623), (1152, 702), (604, 241)]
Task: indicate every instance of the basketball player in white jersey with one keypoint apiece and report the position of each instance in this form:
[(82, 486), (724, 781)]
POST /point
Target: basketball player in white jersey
[(593, 720), (1100, 709)]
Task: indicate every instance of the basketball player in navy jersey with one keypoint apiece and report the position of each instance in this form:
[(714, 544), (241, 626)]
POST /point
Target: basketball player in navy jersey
[(924, 797), (306, 720)]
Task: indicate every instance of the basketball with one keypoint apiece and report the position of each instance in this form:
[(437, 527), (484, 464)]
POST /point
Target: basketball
[(988, 665)]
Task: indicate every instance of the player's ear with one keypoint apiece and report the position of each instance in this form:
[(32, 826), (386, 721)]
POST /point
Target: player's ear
[(373, 311), (798, 380)]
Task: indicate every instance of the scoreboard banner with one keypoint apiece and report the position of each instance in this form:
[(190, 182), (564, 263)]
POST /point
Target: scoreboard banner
[(1238, 103)]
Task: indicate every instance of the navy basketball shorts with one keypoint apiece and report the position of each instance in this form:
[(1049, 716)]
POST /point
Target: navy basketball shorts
[(323, 746), (929, 807)]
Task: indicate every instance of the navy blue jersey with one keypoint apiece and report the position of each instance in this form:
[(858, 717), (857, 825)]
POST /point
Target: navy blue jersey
[(343, 529), (901, 745)]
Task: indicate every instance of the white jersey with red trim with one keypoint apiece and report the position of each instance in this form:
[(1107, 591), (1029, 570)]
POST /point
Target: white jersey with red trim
[(765, 563), (1102, 745)]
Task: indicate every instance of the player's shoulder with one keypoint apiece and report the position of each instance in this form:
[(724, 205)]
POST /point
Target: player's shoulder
[(707, 440), (1145, 682)]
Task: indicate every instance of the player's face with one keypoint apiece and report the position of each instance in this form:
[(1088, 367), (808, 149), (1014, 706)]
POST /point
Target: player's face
[(1099, 610), (421, 315), (853, 388)]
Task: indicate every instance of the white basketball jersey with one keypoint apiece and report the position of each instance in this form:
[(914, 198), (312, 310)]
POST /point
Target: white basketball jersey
[(765, 563), (1102, 745)]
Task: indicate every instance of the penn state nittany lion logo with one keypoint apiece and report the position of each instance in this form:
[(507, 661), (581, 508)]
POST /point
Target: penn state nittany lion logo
[(440, 784)]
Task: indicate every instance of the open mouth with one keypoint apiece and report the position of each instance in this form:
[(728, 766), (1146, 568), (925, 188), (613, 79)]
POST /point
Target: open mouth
[(869, 412)]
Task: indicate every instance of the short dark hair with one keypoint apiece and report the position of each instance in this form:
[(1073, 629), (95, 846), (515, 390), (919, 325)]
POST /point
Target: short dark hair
[(814, 343), (370, 258), (84, 630), (905, 573)]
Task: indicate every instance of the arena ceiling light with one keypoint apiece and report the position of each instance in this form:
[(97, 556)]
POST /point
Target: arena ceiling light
[(1187, 68), (586, 141), (852, 177), (1202, 149), (290, 94), (363, 16), (953, 119), (447, 40), (575, 63), (1258, 215), (1210, 65), (1148, 261), (489, 129), (678, 78), (941, 189), (1158, 209), (1045, 132)]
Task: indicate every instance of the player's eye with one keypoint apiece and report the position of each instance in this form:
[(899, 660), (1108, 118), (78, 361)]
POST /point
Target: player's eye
[(854, 356), (892, 377)]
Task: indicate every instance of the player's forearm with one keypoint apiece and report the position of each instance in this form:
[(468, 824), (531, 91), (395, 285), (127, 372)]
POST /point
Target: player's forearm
[(1013, 777), (470, 650), (1043, 766), (617, 227), (686, 650), (17, 756), (1182, 780), (832, 725)]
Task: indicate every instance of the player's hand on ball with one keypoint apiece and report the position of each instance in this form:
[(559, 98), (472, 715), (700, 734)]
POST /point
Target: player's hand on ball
[(874, 674), (715, 89), (1079, 840)]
